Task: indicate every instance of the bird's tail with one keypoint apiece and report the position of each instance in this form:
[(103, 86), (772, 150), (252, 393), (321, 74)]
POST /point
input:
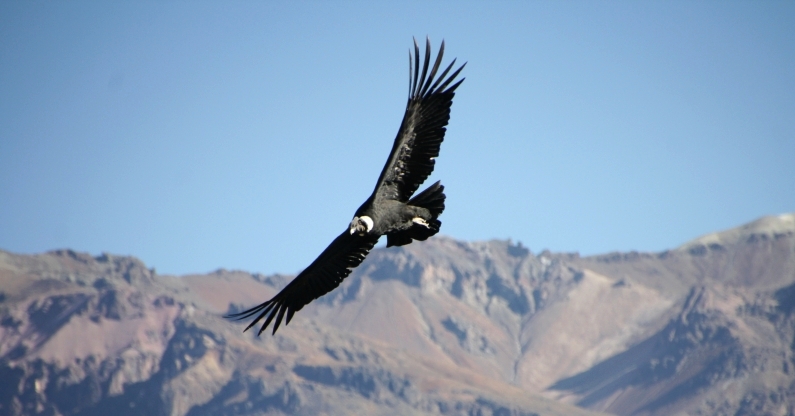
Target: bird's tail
[(432, 199)]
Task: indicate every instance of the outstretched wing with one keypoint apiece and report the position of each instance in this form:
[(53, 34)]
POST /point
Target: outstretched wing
[(324, 274), (422, 130)]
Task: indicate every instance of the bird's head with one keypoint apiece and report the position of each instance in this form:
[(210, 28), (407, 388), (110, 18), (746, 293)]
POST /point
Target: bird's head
[(361, 225)]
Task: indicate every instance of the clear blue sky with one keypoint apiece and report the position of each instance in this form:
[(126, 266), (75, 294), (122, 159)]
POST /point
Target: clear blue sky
[(244, 135)]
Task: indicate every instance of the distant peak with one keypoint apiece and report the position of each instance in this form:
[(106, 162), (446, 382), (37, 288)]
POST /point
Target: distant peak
[(769, 227)]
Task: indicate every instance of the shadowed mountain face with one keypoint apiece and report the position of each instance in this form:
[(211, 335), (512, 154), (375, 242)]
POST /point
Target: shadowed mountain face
[(440, 327)]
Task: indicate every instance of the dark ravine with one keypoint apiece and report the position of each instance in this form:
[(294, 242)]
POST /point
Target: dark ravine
[(441, 327)]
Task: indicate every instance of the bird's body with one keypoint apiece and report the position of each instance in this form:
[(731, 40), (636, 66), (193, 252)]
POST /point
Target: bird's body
[(403, 222), (392, 216), (392, 209)]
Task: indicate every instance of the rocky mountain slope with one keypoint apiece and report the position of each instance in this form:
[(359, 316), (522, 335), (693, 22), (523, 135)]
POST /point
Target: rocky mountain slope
[(441, 327)]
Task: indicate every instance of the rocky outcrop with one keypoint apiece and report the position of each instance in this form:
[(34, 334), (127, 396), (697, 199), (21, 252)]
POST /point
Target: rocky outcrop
[(441, 327), (83, 335)]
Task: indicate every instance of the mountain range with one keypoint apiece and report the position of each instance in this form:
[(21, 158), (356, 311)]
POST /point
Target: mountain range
[(439, 327)]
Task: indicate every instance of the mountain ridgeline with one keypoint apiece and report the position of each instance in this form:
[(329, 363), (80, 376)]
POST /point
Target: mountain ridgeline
[(438, 327)]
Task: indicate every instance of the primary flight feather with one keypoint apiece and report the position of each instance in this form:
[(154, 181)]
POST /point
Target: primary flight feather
[(392, 209)]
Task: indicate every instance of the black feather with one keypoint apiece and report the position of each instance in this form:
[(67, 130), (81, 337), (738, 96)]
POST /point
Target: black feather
[(420, 135), (410, 162)]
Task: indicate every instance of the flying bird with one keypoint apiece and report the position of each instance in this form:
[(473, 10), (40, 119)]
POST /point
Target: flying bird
[(392, 209)]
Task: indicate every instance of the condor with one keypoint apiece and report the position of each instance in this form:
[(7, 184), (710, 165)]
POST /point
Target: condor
[(390, 210)]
